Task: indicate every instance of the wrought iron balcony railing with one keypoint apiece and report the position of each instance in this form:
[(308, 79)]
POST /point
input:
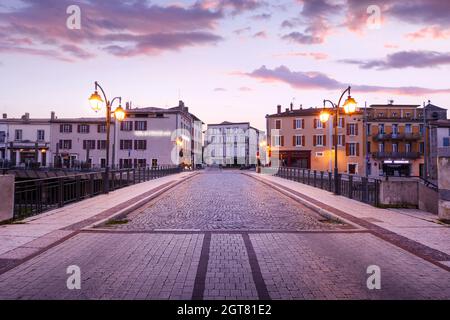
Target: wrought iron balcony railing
[(396, 155), (397, 136)]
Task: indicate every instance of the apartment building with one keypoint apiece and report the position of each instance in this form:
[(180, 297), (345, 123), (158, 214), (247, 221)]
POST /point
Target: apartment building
[(396, 138), (147, 137), (24, 141), (298, 138), (233, 144)]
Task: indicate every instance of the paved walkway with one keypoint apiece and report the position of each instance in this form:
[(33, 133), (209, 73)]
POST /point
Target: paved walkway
[(416, 225), (224, 235), (17, 241)]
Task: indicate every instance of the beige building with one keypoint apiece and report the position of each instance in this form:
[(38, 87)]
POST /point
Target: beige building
[(298, 139)]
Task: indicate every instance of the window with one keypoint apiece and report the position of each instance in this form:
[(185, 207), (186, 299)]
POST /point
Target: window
[(352, 129), (353, 149), (40, 135), (408, 147), (299, 140), (394, 147), (352, 168), (395, 129), (126, 144), (88, 144), (103, 163), (140, 125), (18, 135), (65, 128), (101, 144), (446, 142), (341, 123), (381, 147), (101, 128), (298, 124), (394, 114), (125, 163), (154, 162), (2, 136), (422, 148), (381, 128), (278, 141), (408, 128), (277, 124), (126, 126), (65, 144), (341, 140), (368, 129), (318, 124), (421, 128), (83, 128), (140, 144), (408, 114), (319, 140)]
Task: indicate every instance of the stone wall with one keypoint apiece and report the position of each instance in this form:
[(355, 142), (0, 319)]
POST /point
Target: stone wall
[(444, 185), (7, 196)]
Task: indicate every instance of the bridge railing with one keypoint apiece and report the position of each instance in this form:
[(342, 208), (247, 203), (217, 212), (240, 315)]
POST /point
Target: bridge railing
[(351, 186), (32, 197)]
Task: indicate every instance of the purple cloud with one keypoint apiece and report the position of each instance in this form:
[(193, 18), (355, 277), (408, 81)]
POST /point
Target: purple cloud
[(262, 16), (260, 34), (124, 27), (318, 80), (405, 59)]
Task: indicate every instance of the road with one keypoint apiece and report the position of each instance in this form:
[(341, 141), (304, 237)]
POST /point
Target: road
[(224, 235)]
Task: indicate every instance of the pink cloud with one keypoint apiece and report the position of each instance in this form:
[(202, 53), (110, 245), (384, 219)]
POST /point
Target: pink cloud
[(320, 81)]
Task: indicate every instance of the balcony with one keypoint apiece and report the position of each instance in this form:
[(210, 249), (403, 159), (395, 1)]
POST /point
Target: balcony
[(397, 136), (396, 155)]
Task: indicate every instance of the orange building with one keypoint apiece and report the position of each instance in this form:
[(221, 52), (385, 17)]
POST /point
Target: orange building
[(299, 139)]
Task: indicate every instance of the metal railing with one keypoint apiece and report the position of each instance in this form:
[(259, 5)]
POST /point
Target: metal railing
[(397, 155), (35, 196), (351, 186)]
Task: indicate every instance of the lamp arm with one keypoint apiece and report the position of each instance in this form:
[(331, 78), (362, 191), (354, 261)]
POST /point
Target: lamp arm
[(331, 102), (118, 98), (97, 85), (342, 95)]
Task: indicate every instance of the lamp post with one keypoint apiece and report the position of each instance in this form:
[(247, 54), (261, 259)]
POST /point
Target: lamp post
[(96, 102), (349, 108)]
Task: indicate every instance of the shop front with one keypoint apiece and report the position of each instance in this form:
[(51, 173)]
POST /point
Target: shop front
[(298, 159), (397, 168)]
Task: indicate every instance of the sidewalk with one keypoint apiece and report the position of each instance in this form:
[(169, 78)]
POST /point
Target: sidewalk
[(30, 236), (418, 226)]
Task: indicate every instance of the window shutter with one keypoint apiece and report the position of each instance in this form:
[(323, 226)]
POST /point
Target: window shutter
[(79, 128), (293, 140), (314, 140), (303, 123), (303, 141), (145, 144), (293, 124), (315, 123), (70, 128), (347, 149), (334, 140), (357, 149), (282, 141), (343, 140), (348, 129), (84, 144), (343, 122), (356, 129), (324, 125), (324, 140), (60, 128), (135, 144)]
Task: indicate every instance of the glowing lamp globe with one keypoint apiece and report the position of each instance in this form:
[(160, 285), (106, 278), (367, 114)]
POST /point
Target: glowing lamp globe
[(119, 113), (96, 101), (350, 105), (324, 116)]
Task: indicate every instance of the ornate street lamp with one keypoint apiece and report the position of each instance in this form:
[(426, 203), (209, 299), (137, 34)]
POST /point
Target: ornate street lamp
[(96, 103), (349, 107)]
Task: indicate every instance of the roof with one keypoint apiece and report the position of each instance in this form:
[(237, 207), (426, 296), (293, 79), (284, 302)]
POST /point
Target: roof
[(228, 123), (299, 113), (398, 106), (440, 123), (433, 107), (23, 121)]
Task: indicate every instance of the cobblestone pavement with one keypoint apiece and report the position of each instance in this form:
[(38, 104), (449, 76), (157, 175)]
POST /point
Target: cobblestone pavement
[(224, 201), (134, 262)]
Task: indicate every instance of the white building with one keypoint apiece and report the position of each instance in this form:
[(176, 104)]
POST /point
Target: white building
[(233, 144), (25, 141)]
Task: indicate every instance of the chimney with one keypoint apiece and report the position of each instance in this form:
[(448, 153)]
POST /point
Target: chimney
[(181, 104), (279, 108), (5, 116), (287, 109), (127, 106), (52, 115), (26, 116), (292, 106), (301, 107)]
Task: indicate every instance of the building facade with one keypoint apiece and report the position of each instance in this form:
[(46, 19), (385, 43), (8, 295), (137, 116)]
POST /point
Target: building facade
[(146, 137), (297, 138), (439, 143), (233, 144), (397, 138), (25, 141)]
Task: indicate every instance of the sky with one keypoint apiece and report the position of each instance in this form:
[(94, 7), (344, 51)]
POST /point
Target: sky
[(228, 60)]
